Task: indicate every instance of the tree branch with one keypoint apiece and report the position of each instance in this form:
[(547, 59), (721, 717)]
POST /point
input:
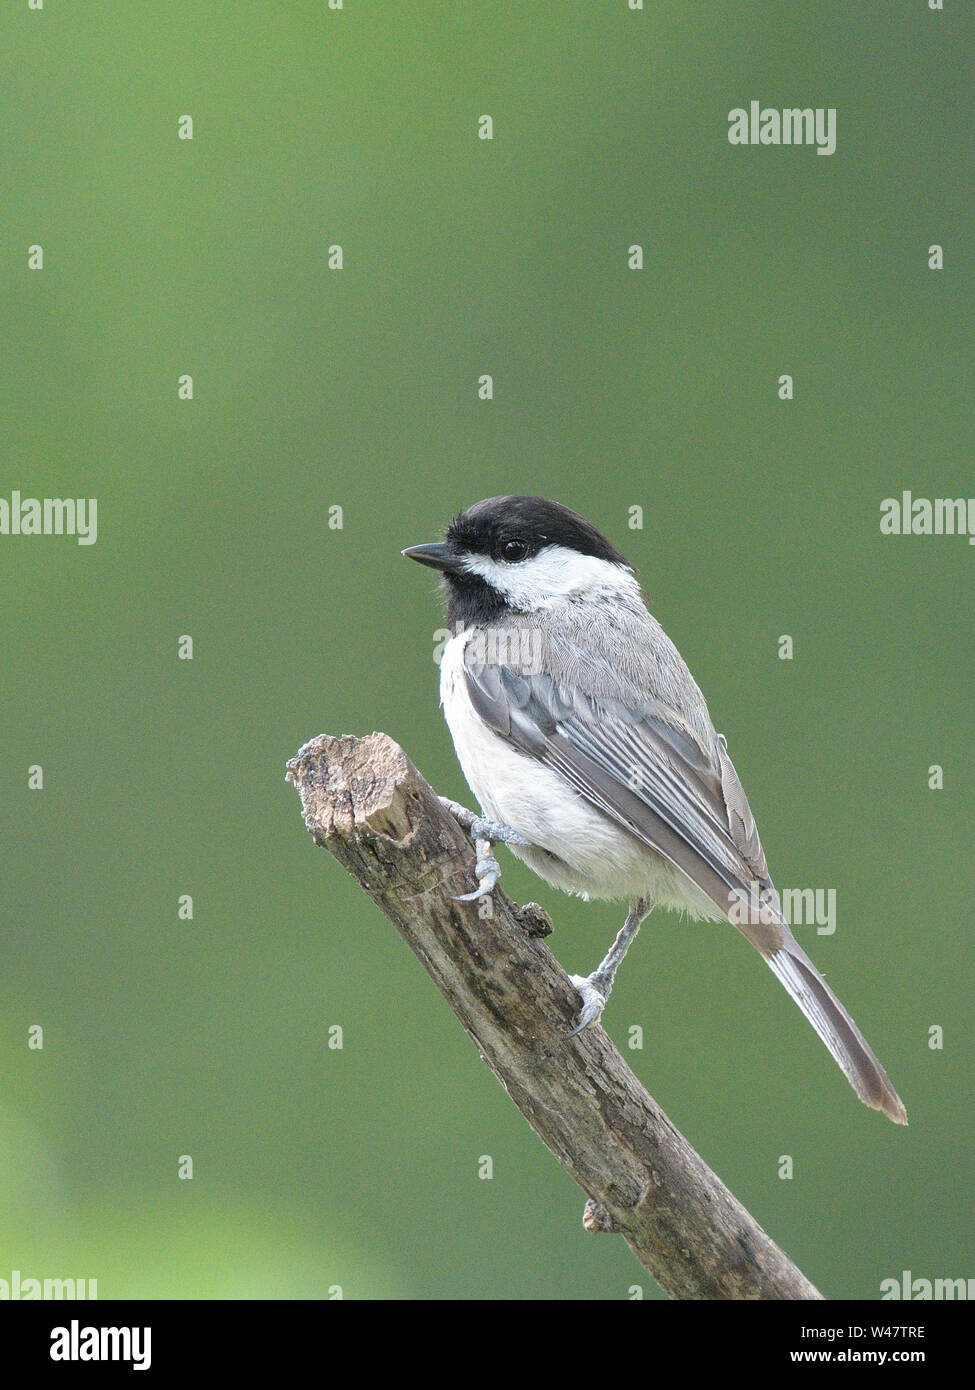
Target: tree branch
[(365, 801)]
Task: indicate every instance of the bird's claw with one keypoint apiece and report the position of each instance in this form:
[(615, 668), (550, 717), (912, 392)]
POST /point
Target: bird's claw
[(484, 833), (593, 1001), (488, 871)]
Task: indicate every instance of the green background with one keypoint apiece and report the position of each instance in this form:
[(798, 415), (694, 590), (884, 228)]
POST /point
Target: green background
[(613, 388)]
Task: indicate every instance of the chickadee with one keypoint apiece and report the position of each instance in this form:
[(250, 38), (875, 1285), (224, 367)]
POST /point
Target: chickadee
[(591, 751)]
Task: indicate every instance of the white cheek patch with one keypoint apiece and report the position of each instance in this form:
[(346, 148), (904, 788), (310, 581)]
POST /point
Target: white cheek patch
[(553, 574)]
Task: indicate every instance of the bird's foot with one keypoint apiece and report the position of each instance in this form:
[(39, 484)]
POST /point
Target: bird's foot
[(594, 992), (484, 833), (480, 828), (487, 870), (594, 989)]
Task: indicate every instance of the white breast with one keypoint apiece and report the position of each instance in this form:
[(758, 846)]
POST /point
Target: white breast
[(510, 786)]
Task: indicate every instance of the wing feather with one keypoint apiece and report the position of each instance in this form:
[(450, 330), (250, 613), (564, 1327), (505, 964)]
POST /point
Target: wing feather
[(640, 764)]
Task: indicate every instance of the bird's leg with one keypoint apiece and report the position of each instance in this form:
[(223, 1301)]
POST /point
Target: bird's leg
[(484, 833), (594, 989)]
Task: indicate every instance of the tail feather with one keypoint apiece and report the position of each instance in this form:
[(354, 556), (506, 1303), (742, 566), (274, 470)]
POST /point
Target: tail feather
[(793, 968)]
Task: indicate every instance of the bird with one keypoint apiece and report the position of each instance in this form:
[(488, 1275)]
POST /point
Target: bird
[(593, 756)]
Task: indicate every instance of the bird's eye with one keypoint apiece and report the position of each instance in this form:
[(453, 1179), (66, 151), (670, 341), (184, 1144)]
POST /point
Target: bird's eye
[(513, 551)]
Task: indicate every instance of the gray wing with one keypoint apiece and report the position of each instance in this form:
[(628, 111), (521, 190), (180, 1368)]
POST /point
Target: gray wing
[(637, 760)]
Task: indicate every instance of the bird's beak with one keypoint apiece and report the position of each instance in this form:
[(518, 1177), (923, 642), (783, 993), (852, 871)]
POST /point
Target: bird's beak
[(438, 556)]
